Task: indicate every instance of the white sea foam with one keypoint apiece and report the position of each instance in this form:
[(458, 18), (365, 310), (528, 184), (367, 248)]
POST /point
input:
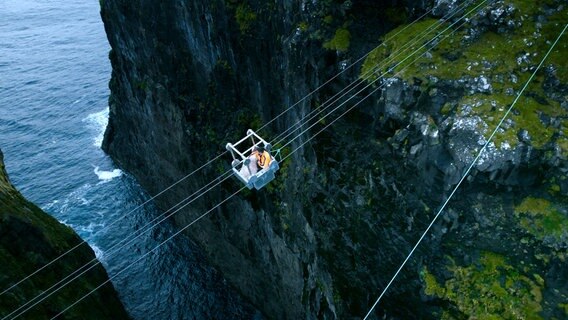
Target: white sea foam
[(78, 196), (98, 121), (106, 176), (98, 252), (92, 227), (65, 222), (84, 201), (49, 205)]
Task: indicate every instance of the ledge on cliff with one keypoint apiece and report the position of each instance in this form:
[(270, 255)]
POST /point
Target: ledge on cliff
[(29, 239)]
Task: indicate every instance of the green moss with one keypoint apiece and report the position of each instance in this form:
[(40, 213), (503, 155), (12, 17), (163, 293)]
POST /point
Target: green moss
[(303, 26), (493, 56), (399, 41), (455, 57), (563, 145), (489, 289), (541, 218), (539, 279), (328, 19), (560, 52), (564, 306), (447, 316), (529, 119), (491, 108), (446, 109), (340, 41), (432, 288), (30, 239), (245, 17)]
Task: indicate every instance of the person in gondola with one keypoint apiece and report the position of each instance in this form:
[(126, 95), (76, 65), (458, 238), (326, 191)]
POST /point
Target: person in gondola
[(262, 157)]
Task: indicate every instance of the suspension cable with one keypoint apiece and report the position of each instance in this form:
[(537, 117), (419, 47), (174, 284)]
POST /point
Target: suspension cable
[(465, 174)]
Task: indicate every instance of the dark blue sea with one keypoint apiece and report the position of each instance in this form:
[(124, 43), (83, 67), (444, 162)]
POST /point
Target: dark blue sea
[(54, 74)]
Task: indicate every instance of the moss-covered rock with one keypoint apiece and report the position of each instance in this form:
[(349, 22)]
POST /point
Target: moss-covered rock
[(245, 17), (491, 288), (564, 306), (543, 219), (491, 62), (30, 239), (340, 41)]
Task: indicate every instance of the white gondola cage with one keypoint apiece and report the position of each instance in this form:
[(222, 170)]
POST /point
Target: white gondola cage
[(241, 165)]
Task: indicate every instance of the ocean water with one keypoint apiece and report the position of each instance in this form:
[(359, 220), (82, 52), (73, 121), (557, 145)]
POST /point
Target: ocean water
[(54, 73)]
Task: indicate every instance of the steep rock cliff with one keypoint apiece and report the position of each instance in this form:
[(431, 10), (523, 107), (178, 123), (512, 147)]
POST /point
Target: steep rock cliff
[(190, 79), (325, 237), (29, 239)]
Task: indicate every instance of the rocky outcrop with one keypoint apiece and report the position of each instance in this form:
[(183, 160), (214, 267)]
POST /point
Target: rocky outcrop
[(323, 239), (29, 239), (443, 115)]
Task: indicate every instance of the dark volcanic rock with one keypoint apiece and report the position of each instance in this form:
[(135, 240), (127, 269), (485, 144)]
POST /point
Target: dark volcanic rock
[(324, 238)]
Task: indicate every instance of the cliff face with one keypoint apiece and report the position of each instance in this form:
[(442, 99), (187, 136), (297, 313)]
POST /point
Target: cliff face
[(324, 238), (29, 239), (192, 78)]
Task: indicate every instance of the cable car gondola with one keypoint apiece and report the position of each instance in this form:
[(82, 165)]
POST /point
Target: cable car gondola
[(254, 165)]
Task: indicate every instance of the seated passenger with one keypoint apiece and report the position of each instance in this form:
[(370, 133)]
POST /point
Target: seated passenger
[(247, 171), (262, 156)]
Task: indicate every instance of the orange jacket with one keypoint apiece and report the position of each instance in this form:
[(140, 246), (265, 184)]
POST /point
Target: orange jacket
[(263, 159)]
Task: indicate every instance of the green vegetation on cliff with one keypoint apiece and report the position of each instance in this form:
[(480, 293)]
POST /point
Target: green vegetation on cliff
[(491, 288), (29, 239), (340, 41), (496, 63), (541, 218), (245, 17), (476, 71)]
